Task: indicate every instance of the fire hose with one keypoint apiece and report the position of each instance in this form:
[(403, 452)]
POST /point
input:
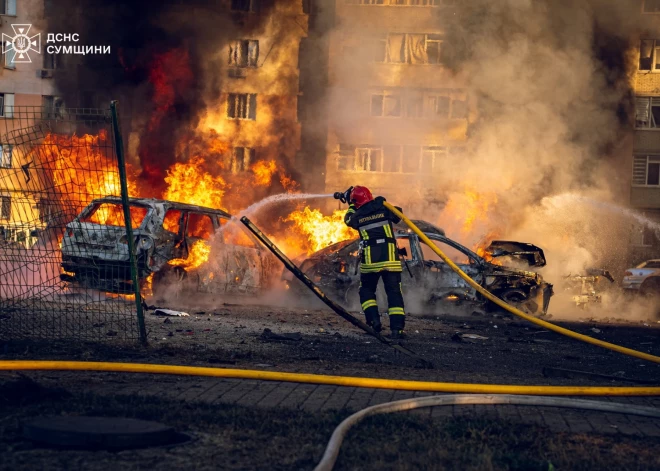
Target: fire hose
[(513, 310), (332, 449)]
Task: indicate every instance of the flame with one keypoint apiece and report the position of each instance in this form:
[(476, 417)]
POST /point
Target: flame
[(480, 247), (197, 255), (263, 172), (469, 209), (189, 183), (320, 231), (82, 168)]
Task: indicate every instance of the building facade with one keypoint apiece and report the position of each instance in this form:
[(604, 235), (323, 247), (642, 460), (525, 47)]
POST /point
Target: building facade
[(22, 84), (645, 182), (396, 113)]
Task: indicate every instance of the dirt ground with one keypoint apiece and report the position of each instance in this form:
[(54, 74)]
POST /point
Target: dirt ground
[(505, 351)]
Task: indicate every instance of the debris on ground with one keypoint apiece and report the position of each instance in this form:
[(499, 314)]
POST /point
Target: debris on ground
[(270, 336), (169, 312), (469, 338), (550, 372), (597, 331)]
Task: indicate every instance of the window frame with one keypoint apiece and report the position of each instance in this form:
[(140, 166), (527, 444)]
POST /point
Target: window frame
[(245, 165), (639, 100), (5, 202), (640, 172), (2, 155), (9, 8), (236, 53), (250, 111), (385, 94), (406, 59)]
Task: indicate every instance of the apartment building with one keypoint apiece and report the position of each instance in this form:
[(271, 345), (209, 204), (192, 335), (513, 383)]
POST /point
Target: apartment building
[(21, 84), (260, 84), (396, 113), (645, 183)]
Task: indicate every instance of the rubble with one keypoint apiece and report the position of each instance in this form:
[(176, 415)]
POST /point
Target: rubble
[(171, 313), (270, 336)]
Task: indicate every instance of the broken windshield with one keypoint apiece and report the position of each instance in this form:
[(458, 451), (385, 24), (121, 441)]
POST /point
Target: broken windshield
[(112, 214)]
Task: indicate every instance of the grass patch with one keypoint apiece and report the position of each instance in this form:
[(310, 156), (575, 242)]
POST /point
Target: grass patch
[(232, 437)]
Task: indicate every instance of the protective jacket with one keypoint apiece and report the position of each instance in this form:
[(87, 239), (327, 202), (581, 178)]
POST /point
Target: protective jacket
[(374, 223)]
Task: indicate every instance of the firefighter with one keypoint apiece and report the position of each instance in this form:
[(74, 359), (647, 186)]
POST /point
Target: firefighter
[(379, 256)]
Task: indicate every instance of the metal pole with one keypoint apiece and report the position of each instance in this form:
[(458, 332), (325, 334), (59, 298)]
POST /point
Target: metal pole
[(121, 163), (329, 302)]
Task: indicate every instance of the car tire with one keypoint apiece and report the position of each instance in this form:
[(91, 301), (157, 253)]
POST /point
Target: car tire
[(650, 287)]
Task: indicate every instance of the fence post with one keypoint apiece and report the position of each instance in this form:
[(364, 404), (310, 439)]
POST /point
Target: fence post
[(119, 145)]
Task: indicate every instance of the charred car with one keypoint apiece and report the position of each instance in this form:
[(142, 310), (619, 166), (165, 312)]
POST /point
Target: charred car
[(586, 288), (336, 270), (95, 251)]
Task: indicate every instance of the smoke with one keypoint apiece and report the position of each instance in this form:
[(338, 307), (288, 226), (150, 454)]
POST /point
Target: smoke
[(168, 68)]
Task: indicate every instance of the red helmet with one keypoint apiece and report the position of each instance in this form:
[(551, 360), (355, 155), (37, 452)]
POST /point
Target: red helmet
[(360, 196)]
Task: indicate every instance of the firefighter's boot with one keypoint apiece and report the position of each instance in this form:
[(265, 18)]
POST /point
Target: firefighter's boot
[(372, 317)]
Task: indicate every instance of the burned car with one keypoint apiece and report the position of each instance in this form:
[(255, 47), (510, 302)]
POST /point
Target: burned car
[(95, 248), (336, 270), (586, 288)]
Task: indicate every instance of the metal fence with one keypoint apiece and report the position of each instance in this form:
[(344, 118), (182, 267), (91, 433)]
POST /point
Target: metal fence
[(53, 163)]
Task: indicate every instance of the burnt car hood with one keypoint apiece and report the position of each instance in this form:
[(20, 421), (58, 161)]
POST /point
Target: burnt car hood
[(529, 253)]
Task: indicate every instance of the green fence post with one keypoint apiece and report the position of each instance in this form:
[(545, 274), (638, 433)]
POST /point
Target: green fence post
[(121, 162)]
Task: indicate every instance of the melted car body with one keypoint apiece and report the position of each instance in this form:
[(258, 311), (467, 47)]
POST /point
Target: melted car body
[(95, 250), (336, 270)]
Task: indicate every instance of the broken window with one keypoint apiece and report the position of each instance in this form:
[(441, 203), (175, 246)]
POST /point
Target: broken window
[(649, 55), (244, 53), (368, 159), (242, 106), (385, 105), (414, 106), (200, 226), (647, 112), (245, 5), (6, 151), (413, 48), (5, 209), (651, 6), (51, 60), (391, 158), (241, 158), (432, 158), (403, 244), (53, 106), (410, 159), (172, 220)]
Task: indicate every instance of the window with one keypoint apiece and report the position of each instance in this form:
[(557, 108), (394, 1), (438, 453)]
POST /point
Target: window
[(112, 214), (6, 151), (172, 221), (8, 7), (51, 61), (438, 106), (651, 6), (346, 157), (5, 210), (642, 236), (200, 226), (241, 158), (242, 106), (646, 170), (404, 243), (368, 159), (244, 53), (53, 106), (10, 55), (432, 159), (647, 112), (245, 5), (385, 105), (6, 105), (408, 48)]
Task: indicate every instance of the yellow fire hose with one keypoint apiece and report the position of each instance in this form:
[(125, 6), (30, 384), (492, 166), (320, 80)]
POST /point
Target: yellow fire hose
[(485, 293), (374, 383)]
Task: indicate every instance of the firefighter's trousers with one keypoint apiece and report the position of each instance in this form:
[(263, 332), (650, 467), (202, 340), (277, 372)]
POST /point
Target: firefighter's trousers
[(392, 282)]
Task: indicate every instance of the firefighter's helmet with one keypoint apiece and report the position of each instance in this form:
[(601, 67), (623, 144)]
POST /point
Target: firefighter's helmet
[(361, 196)]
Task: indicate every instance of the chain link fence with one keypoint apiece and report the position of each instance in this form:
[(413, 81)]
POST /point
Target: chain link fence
[(53, 163)]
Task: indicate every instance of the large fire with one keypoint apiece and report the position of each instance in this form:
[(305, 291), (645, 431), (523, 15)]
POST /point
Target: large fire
[(81, 167), (320, 231), (468, 209), (190, 183)]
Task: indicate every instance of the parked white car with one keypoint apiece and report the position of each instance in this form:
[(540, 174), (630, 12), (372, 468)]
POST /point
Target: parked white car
[(644, 278)]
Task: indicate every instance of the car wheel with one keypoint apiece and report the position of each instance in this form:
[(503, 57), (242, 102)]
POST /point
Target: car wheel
[(167, 278), (650, 287)]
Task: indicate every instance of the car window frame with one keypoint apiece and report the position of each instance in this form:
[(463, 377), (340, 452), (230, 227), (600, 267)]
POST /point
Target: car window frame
[(188, 212), (455, 245), (88, 209)]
